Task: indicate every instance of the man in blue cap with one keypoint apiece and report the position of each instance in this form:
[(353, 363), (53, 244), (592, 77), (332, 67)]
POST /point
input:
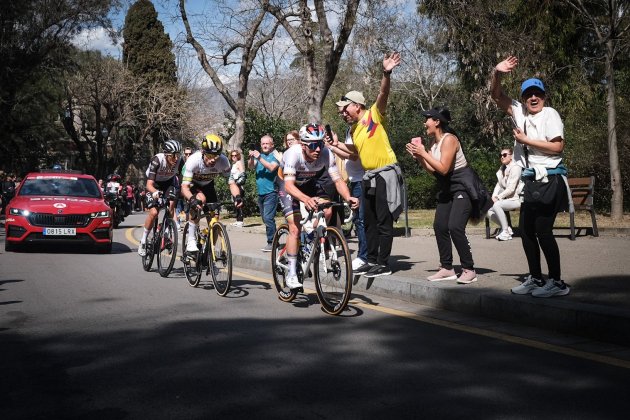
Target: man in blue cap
[(538, 146)]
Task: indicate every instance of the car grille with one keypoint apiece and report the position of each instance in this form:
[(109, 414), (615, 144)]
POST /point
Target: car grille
[(61, 220)]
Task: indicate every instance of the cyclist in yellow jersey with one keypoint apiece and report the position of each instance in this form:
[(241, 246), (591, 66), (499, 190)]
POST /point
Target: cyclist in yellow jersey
[(382, 179)]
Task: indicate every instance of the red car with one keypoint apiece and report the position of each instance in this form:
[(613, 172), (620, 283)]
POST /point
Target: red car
[(58, 208)]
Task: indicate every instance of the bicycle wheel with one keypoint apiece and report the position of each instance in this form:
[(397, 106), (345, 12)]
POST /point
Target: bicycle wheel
[(279, 263), (147, 259), (167, 247), (333, 272), (190, 264), (221, 260)]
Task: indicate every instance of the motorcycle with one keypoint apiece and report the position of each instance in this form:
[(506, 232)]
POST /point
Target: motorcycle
[(115, 202)]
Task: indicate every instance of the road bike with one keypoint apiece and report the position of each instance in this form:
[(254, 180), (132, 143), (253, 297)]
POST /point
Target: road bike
[(322, 254), (214, 255), (162, 238)]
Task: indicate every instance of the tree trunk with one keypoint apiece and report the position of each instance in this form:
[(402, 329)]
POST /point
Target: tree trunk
[(616, 202)]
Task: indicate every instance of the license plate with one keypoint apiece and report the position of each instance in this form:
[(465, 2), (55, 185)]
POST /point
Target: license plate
[(60, 231)]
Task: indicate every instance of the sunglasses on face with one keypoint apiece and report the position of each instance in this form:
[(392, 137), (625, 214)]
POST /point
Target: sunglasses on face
[(504, 155), (314, 145), (187, 154), (171, 155), (210, 155), (234, 155)]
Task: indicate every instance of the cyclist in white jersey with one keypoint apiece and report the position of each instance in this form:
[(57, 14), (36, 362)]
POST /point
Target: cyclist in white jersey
[(198, 182), (298, 183), (161, 177)]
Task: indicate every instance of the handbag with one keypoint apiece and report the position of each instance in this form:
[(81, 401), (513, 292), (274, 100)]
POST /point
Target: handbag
[(538, 192)]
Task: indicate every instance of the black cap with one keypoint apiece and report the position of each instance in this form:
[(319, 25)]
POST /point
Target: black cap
[(438, 113)]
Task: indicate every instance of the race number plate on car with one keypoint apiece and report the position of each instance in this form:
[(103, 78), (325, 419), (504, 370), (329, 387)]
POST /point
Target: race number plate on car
[(60, 231)]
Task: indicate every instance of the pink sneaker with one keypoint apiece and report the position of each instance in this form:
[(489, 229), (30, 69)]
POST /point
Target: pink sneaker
[(467, 277), (443, 274)]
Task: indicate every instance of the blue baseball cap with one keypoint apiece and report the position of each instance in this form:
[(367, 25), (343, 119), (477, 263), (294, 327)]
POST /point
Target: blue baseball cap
[(532, 83)]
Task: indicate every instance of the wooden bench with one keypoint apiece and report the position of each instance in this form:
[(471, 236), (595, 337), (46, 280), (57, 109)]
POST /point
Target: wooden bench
[(582, 193)]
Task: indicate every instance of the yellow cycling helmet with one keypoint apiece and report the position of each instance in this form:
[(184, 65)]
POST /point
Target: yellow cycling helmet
[(212, 144)]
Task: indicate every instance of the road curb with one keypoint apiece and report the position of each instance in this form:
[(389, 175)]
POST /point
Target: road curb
[(610, 324)]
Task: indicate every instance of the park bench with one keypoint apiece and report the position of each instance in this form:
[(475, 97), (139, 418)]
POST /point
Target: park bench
[(582, 193)]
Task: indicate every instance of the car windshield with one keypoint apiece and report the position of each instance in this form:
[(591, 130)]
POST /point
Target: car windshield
[(59, 186)]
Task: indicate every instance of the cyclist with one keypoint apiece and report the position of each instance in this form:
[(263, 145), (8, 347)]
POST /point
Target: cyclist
[(303, 167), (198, 182), (161, 177)]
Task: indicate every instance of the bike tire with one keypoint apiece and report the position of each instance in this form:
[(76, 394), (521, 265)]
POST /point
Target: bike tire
[(220, 264), (147, 259), (279, 262), (190, 266), (333, 276), (166, 246)]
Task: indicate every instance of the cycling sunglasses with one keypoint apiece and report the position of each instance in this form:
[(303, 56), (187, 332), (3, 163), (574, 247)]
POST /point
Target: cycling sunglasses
[(315, 145)]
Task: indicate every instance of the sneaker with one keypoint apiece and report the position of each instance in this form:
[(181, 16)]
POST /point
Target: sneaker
[(191, 247), (552, 288), (292, 282), (504, 236), (531, 283), (378, 271), (356, 263), (142, 250), (467, 277), (266, 248), (363, 269), (238, 224), (509, 230), (443, 274)]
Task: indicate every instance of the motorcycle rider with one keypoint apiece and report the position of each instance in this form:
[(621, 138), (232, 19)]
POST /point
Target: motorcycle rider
[(161, 179), (113, 195)]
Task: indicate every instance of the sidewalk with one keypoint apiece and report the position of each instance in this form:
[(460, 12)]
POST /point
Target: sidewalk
[(596, 269)]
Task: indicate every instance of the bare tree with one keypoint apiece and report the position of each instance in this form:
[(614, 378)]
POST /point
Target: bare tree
[(320, 47), (244, 31), (610, 22)]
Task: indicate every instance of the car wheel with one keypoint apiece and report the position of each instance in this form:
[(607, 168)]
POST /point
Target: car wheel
[(9, 246), (104, 249)]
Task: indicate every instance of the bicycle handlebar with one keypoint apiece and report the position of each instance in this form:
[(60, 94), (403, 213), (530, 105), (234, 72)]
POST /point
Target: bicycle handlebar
[(320, 208)]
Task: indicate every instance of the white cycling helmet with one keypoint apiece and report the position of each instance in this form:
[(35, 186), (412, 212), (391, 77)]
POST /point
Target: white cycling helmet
[(312, 132), (171, 146)]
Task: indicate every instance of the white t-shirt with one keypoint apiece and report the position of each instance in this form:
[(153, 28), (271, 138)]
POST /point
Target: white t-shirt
[(298, 169), (354, 169), (196, 171), (545, 125)]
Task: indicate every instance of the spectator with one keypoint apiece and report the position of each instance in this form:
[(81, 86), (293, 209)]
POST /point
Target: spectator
[(266, 166), (446, 161), (128, 198), (506, 194), (355, 172), (238, 175), (8, 191), (291, 138), (539, 144), (381, 182)]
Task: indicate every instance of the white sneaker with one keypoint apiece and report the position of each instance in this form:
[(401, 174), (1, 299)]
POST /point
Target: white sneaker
[(357, 262), (292, 282), (509, 230), (142, 250), (528, 286), (551, 288), (504, 236), (191, 247)]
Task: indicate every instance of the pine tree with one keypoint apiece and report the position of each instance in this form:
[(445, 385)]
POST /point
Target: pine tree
[(148, 50)]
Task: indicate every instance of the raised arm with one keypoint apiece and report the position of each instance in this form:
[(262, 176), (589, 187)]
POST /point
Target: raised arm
[(496, 90), (389, 62)]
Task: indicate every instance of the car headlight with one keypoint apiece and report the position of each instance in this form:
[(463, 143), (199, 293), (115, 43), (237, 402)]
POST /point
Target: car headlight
[(19, 212), (104, 213)]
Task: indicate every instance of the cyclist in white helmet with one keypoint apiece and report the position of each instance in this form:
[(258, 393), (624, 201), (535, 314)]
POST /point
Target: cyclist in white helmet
[(298, 183), (161, 178), (198, 182)]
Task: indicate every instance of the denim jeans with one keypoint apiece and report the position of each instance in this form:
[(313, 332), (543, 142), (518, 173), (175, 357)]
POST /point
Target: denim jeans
[(268, 204), (356, 190)]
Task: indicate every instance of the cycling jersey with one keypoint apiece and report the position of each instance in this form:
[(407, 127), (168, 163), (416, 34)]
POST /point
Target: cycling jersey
[(298, 169), (197, 173), (160, 171)]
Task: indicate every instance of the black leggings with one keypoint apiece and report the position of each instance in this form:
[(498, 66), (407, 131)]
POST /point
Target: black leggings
[(449, 225), (536, 226)]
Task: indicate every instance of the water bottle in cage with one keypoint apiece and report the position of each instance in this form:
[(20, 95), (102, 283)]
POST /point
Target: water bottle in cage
[(307, 242), (204, 235)]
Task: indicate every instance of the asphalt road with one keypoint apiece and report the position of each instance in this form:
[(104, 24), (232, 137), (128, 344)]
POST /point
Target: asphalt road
[(94, 336)]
